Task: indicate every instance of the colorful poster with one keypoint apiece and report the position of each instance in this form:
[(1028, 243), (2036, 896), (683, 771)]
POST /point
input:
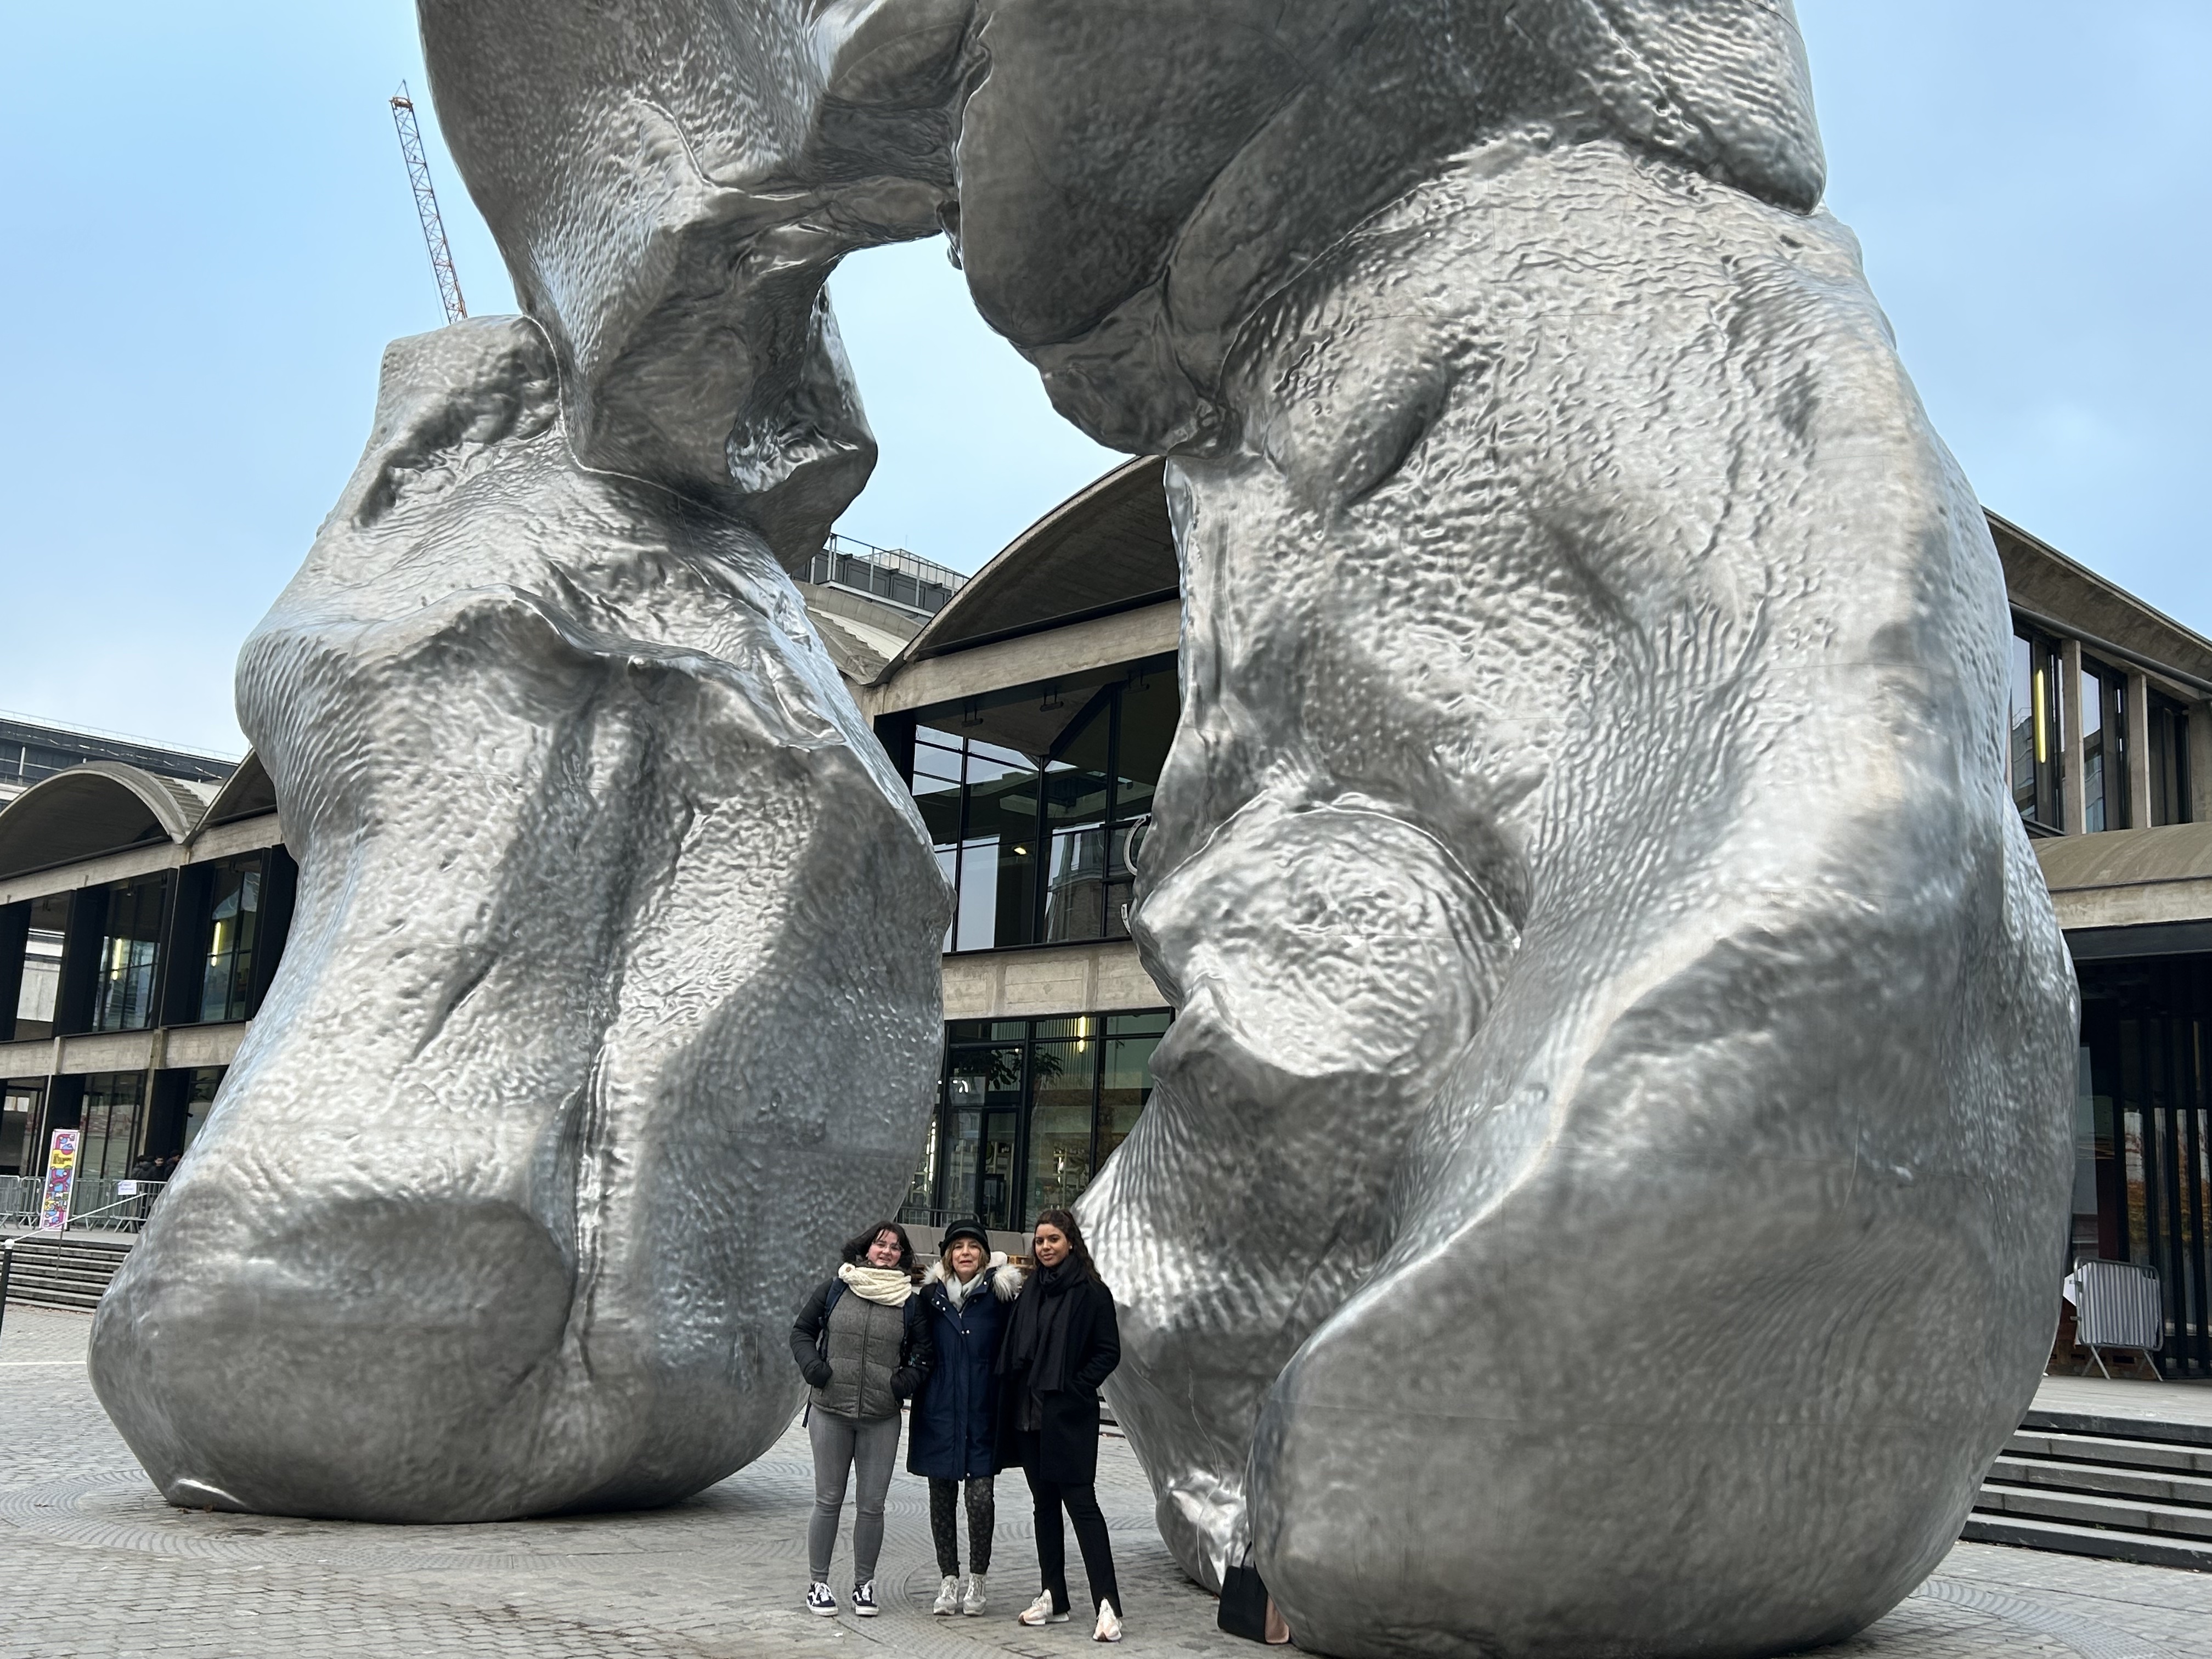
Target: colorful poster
[(61, 1180)]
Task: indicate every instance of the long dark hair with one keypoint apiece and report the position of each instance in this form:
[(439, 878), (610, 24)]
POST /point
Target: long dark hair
[(1078, 1251), (856, 1248)]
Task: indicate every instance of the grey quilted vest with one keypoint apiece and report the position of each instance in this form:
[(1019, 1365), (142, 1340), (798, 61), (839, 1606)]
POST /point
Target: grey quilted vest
[(863, 1351)]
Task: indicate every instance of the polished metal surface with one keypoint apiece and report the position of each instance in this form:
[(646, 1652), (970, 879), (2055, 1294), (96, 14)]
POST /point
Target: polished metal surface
[(612, 1002), (1605, 1186), (1605, 1183)]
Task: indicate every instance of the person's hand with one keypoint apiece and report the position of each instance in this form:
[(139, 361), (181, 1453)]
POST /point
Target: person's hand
[(818, 1374), (904, 1381)]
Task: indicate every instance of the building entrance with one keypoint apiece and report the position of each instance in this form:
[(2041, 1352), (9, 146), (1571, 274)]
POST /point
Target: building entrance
[(1030, 1110), (2145, 1023)]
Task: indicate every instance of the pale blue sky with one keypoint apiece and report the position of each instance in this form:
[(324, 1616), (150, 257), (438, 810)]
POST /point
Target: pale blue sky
[(211, 241)]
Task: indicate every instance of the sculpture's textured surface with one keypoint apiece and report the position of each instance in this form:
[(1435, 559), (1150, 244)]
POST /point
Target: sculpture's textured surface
[(612, 999), (1603, 1191), (1605, 1183)]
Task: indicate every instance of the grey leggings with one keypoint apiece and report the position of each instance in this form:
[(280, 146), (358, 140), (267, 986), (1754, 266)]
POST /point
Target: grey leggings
[(870, 1451)]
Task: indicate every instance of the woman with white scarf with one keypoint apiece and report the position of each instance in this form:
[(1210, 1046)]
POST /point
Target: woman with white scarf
[(861, 1355)]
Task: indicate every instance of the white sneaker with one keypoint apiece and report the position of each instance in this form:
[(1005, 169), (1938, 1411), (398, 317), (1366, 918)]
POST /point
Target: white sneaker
[(1110, 1626), (1039, 1612), (972, 1602), (948, 1596)]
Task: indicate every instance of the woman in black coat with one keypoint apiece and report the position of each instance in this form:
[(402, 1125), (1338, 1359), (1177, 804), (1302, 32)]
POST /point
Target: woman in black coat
[(952, 1432), (1061, 1342)]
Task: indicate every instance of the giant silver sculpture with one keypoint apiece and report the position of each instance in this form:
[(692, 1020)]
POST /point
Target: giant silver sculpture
[(1606, 1180), (612, 1000)]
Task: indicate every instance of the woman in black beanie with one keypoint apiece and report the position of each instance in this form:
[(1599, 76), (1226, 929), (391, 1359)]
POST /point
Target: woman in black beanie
[(1061, 1342), (952, 1438)]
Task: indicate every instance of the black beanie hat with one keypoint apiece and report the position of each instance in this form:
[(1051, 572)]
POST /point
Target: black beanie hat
[(960, 1229)]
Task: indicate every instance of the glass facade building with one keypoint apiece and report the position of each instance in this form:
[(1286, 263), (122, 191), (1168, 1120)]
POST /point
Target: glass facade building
[(1036, 799), (1028, 1110)]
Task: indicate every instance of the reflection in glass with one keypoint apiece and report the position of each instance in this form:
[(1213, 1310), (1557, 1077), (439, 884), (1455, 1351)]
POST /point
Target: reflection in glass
[(1038, 843), (1060, 1125), (983, 1096), (2169, 761), (1126, 1085), (2035, 741), (108, 1124), (206, 1079), (233, 928), (123, 982), (1032, 1109)]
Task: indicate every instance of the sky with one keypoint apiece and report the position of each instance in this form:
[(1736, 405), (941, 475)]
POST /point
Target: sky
[(211, 241)]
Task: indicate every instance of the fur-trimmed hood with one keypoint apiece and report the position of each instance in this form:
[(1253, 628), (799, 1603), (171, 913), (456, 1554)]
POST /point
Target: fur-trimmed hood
[(1005, 1281)]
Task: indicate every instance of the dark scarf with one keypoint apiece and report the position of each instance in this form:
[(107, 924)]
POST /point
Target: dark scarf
[(1036, 1340)]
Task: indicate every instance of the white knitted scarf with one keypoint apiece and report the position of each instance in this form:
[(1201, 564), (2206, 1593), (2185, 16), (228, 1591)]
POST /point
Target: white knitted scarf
[(889, 1286)]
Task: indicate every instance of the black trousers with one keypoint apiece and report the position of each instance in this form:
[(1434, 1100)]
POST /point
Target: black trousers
[(1082, 1505)]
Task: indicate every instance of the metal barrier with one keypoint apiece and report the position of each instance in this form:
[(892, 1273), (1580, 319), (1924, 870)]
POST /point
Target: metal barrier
[(112, 1206), (2118, 1305), (19, 1200), (97, 1203)]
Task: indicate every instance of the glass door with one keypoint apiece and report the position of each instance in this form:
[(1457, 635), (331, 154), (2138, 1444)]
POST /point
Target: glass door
[(983, 1096)]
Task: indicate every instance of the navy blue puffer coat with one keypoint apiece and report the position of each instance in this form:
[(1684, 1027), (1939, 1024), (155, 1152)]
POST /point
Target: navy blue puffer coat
[(951, 1433)]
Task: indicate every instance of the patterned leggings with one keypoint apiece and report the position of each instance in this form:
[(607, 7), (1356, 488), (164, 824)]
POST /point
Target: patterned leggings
[(944, 1526)]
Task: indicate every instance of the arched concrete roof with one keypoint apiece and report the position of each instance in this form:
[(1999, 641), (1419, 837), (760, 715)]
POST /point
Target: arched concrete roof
[(97, 806), (1105, 548), (248, 793)]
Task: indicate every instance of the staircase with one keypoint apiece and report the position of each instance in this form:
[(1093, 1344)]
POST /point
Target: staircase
[(62, 1272), (2128, 1488)]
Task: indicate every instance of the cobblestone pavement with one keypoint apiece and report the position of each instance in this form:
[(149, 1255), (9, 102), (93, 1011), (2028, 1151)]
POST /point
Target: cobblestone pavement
[(93, 1563)]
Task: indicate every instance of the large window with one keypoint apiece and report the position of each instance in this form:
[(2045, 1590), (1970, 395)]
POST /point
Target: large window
[(2103, 747), (2169, 761), (40, 990), (130, 949), (18, 1110), (1036, 798), (1029, 1111), (232, 928), (109, 1123), (2037, 740)]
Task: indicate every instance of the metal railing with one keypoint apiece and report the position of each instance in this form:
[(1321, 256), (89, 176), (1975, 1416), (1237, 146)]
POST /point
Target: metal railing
[(97, 1203), (885, 573)]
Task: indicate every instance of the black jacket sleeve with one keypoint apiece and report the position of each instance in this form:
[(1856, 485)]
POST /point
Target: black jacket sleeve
[(806, 1330), (917, 1348), (1104, 1351)]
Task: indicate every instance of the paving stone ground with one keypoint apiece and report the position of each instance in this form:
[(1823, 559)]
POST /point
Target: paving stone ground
[(93, 1563)]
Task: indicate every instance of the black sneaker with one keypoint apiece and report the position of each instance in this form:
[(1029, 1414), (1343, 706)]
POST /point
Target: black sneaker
[(863, 1601), (820, 1599)]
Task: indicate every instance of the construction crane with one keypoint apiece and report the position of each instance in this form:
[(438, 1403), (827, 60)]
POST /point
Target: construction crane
[(425, 205)]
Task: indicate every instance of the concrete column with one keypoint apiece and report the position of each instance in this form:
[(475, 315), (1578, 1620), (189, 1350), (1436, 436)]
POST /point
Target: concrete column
[(2070, 732), (2138, 752)]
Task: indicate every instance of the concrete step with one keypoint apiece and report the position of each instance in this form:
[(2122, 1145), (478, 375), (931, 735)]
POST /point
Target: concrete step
[(2025, 1532), (2061, 1475), (65, 1273), (2117, 1425), (2178, 1458), (2090, 1510)]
